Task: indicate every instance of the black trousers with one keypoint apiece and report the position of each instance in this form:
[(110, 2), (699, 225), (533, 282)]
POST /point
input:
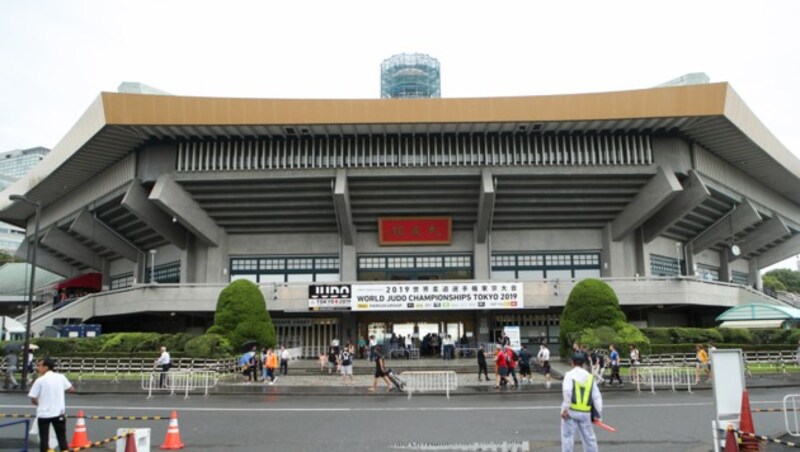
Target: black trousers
[(482, 368), (284, 367), (60, 427)]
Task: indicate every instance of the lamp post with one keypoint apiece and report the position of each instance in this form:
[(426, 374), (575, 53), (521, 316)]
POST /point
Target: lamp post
[(26, 351), (152, 266)]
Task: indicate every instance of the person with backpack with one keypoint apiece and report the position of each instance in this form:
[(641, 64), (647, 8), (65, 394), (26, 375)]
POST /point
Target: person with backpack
[(346, 364), (513, 359), (613, 358), (525, 365)]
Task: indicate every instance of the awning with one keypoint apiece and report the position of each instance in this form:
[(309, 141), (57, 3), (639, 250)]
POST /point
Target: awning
[(90, 281), (753, 324)]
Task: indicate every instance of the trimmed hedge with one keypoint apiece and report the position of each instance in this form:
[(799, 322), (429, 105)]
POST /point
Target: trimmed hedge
[(722, 336), (114, 345), (208, 346), (662, 349)]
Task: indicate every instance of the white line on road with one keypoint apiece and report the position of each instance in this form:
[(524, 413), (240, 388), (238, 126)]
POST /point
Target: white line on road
[(349, 409)]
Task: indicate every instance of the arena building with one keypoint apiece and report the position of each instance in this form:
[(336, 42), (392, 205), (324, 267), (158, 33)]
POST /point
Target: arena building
[(457, 216)]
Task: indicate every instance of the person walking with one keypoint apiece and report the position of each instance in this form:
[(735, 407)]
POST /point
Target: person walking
[(163, 362), (346, 364), (581, 403), (284, 361), (271, 364), (613, 358), (525, 365), (501, 360), (47, 394), (511, 361), (11, 367), (636, 359), (701, 364), (380, 370), (544, 361), (482, 364)]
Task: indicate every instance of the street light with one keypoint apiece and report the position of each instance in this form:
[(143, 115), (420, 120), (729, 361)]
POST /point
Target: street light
[(152, 266), (38, 207)]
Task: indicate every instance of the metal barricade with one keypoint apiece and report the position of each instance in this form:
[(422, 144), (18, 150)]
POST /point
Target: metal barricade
[(670, 377), (182, 380), (421, 381), (790, 406)]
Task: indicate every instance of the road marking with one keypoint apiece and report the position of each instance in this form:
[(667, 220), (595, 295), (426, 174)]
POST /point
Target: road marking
[(364, 409)]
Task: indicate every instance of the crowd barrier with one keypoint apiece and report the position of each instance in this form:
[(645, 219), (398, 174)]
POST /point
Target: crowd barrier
[(790, 403), (671, 377), (175, 381), (427, 381)]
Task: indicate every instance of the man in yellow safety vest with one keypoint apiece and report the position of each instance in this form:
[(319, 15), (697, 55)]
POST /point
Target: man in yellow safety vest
[(582, 402)]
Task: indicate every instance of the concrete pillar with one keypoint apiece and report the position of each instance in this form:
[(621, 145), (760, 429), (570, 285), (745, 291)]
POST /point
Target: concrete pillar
[(218, 260), (105, 282), (688, 254), (482, 260), (189, 261), (139, 274), (724, 267), (642, 269), (348, 263), (348, 332), (754, 277)]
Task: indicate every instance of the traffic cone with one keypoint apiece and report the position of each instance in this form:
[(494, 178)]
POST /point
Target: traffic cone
[(80, 438), (173, 439), (749, 443), (130, 443), (730, 441)]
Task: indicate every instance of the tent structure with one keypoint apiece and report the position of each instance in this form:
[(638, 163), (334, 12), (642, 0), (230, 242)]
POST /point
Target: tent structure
[(759, 315)]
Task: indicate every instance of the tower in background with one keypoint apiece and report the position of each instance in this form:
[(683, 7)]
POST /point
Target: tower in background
[(410, 76)]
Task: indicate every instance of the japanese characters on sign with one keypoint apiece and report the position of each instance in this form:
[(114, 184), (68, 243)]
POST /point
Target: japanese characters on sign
[(436, 296), (415, 231)]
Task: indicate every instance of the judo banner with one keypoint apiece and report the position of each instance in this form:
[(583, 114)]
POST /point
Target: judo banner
[(436, 296), (329, 297)]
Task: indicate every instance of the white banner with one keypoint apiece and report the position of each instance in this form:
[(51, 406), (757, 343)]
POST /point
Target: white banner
[(436, 296)]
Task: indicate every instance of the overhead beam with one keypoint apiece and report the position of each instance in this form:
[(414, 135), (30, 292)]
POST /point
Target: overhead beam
[(486, 203), (97, 231), (178, 203), (693, 194), (47, 261), (739, 219), (344, 212), (652, 197), (783, 251), (135, 200), (769, 231), (67, 245)]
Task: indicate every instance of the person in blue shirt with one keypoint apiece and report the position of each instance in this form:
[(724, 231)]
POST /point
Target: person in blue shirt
[(614, 359)]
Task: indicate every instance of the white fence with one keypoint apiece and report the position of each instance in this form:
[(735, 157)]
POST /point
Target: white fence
[(179, 380), (671, 377), (430, 381)]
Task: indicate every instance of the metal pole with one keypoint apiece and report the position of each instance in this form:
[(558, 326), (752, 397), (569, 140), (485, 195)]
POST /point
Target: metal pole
[(24, 383), (152, 266)]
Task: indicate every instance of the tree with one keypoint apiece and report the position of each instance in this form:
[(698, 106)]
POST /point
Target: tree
[(789, 278), (591, 304), (773, 283), (242, 315)]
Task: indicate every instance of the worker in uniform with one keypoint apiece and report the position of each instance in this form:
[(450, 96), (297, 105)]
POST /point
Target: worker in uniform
[(581, 404)]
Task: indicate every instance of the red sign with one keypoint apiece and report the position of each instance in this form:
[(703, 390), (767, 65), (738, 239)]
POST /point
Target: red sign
[(415, 231)]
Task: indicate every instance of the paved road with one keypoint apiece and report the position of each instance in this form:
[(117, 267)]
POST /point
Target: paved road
[(665, 421)]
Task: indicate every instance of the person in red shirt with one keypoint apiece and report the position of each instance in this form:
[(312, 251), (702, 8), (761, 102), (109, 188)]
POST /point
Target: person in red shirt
[(502, 368), (511, 358)]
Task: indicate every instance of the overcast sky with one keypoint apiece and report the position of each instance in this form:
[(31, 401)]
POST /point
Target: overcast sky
[(57, 56)]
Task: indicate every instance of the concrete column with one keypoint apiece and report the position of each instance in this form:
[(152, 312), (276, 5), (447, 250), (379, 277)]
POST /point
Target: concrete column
[(724, 267), (106, 272), (688, 255), (754, 277), (348, 332), (348, 263), (138, 269), (642, 269), (481, 259), (218, 260), (485, 207), (189, 261)]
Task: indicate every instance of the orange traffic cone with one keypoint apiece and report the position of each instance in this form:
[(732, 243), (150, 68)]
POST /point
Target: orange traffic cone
[(130, 443), (749, 443), (730, 441), (173, 439), (80, 438)]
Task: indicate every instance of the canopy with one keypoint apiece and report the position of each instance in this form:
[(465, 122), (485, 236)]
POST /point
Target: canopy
[(759, 311), (92, 281), (755, 324)]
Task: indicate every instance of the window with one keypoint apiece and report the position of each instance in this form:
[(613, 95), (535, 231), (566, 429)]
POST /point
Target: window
[(538, 266), (121, 281), (169, 273), (414, 267), (739, 278), (285, 269), (665, 266)]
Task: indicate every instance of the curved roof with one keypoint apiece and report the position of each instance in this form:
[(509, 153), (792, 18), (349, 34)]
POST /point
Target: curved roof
[(115, 125), (758, 311)]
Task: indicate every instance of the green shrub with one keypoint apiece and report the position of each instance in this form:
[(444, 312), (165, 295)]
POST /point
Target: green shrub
[(242, 315), (621, 335), (591, 304), (736, 335), (695, 335), (658, 335), (661, 349), (131, 342), (208, 346)]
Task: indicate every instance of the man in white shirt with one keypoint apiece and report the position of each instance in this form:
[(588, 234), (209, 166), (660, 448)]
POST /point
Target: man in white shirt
[(581, 403), (544, 361), (47, 393), (163, 361), (284, 361)]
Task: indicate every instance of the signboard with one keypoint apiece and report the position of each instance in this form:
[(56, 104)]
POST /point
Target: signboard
[(729, 385), (329, 297), (512, 332), (415, 231), (436, 296)]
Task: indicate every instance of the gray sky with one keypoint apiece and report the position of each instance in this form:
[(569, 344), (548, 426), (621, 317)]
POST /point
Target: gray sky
[(58, 56)]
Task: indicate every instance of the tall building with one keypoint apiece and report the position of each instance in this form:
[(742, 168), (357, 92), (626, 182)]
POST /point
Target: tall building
[(410, 76), (14, 165)]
